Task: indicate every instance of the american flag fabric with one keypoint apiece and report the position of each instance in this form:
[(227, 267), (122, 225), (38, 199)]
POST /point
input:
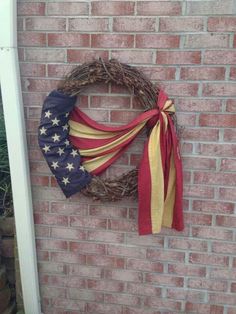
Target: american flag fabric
[(63, 159), (77, 147)]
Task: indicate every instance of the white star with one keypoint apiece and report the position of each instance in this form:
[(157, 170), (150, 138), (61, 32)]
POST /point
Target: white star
[(67, 142), (46, 148), (54, 165), (48, 114), (65, 127), (43, 131), (56, 138), (74, 152), (82, 168), (65, 181), (55, 121), (70, 166), (67, 114), (60, 151)]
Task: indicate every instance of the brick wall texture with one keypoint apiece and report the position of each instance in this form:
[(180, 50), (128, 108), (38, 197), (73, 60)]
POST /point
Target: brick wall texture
[(90, 257)]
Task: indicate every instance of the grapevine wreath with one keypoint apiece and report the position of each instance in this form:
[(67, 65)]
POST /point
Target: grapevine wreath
[(78, 148)]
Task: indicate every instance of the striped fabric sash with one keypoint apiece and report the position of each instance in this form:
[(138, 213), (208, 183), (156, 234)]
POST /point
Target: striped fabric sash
[(160, 172)]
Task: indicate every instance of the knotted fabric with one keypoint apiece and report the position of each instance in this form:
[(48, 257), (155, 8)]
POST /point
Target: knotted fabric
[(160, 181)]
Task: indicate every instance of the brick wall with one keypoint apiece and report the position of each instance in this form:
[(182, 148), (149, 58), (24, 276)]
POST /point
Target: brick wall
[(90, 256)]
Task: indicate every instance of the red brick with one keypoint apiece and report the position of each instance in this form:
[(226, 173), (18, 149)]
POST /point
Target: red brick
[(100, 308), (181, 24), (67, 8), (40, 85), (159, 73), (219, 57), (122, 225), (221, 150), (68, 233), (154, 8), (202, 73), (105, 261), (81, 56), (161, 303), (219, 89), (98, 115), (198, 191), (162, 255), (136, 240), (222, 298), (212, 233), (180, 89), (187, 270), (213, 206), (224, 248), (221, 120), (228, 194), (124, 299), (57, 268), (123, 275), (215, 178), (85, 294), (232, 74), (222, 24), (106, 285), (32, 69), (199, 163), (144, 265), (142, 289), (84, 271), (68, 39), (45, 24), (226, 221), (230, 135), (199, 134), (108, 211), (230, 310), (137, 24), (179, 294), (203, 308), (233, 287), (106, 236), (198, 105), (86, 247), (88, 222), (42, 256), (206, 41), (48, 219), (112, 41), (205, 7), (41, 206), (222, 273), (123, 116), (107, 102), (112, 8), (135, 310), (67, 257), (48, 244), (68, 208), (187, 244), (126, 251), (89, 25), (228, 165), (27, 8), (157, 41), (163, 280), (208, 259), (45, 55), (69, 304), (31, 39), (178, 57), (133, 57), (53, 293), (206, 284)]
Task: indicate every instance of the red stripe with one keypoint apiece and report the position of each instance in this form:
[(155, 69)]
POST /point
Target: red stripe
[(144, 194)]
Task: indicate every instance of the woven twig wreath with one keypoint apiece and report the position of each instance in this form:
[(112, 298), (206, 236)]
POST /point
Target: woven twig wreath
[(106, 189)]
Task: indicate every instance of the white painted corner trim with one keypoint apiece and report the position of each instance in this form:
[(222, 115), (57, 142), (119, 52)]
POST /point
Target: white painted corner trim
[(18, 157)]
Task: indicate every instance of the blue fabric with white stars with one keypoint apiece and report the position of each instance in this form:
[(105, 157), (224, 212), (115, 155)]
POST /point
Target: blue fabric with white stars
[(53, 136)]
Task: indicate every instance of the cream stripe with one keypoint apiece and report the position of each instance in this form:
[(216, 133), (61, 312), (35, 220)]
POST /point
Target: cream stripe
[(94, 151), (170, 197), (92, 164), (80, 130), (157, 192)]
